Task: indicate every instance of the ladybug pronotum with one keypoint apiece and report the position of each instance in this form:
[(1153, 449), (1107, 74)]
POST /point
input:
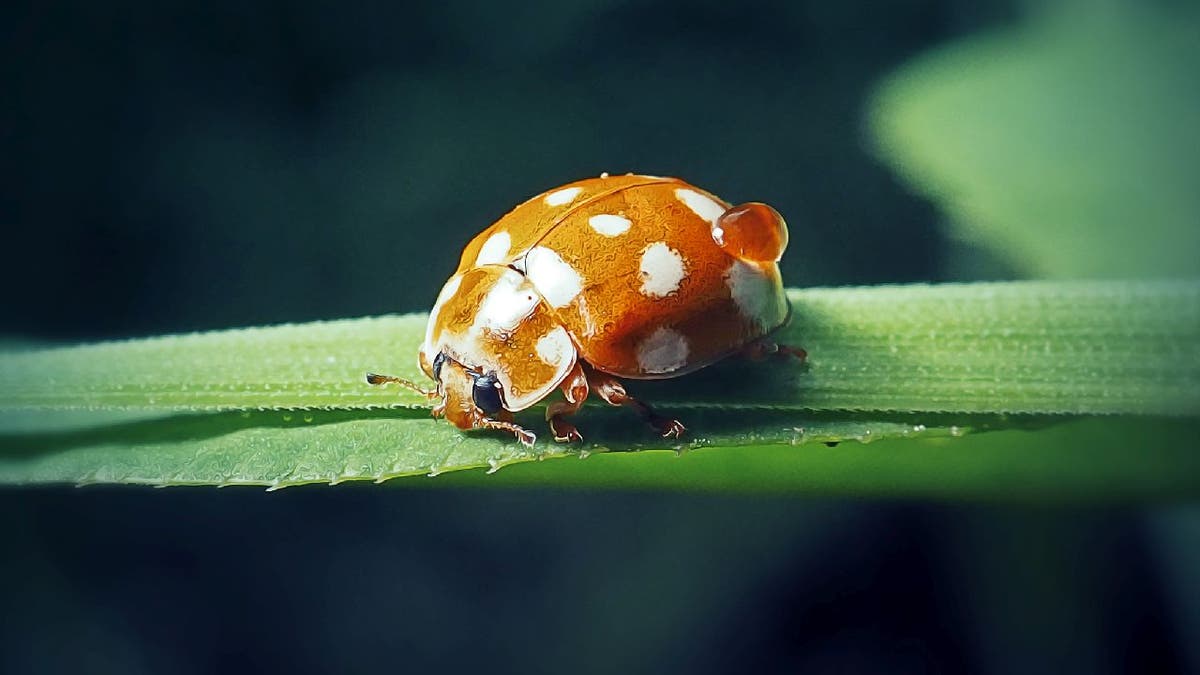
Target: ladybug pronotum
[(637, 277)]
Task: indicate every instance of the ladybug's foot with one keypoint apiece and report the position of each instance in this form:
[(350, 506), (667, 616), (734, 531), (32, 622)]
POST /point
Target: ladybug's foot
[(575, 392), (762, 349), (613, 393), (564, 431), (525, 436), (667, 427)]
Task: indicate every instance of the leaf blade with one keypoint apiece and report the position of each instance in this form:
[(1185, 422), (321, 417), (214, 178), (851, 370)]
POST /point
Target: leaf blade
[(1014, 347), (855, 388)]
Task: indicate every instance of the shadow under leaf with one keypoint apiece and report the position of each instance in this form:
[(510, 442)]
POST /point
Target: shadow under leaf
[(188, 427)]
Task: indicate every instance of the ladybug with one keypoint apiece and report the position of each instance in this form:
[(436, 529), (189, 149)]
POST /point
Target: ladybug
[(638, 277)]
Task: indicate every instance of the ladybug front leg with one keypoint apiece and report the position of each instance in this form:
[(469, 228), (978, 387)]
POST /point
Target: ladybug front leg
[(575, 392), (613, 392), (503, 421)]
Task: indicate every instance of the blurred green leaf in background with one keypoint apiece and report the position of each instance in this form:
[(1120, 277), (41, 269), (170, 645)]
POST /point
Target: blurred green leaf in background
[(1068, 145)]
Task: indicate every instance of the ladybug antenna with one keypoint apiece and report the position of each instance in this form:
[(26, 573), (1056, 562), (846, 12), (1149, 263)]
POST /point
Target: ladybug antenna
[(372, 378)]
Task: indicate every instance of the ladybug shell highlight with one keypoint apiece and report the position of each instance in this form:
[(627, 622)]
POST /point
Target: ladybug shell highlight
[(640, 277)]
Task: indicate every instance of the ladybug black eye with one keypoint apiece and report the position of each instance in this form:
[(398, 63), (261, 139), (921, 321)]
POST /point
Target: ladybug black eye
[(437, 365), (486, 393)]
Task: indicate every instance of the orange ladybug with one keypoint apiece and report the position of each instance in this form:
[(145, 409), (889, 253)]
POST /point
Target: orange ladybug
[(638, 277)]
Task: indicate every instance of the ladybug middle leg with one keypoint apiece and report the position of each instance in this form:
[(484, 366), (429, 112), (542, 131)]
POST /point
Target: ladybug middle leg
[(613, 392), (575, 392)]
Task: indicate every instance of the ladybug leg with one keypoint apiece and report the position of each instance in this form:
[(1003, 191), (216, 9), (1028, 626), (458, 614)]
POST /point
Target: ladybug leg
[(762, 348), (575, 392), (372, 378), (613, 392), (523, 435)]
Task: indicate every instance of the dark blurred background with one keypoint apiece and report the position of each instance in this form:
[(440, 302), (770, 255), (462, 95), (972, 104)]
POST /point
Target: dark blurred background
[(177, 166), (173, 166)]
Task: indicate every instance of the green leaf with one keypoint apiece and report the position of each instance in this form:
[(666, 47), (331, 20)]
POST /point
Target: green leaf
[(1109, 458), (1068, 144), (1024, 347), (288, 405)]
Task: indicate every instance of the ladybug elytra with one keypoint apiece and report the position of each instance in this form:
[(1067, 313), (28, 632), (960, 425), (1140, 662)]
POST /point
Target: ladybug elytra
[(638, 277)]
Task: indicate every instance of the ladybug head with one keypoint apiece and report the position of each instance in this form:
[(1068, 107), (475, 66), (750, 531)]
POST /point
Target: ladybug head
[(494, 346), (469, 396)]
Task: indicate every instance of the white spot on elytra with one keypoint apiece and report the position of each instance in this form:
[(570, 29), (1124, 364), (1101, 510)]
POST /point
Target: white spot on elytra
[(755, 294), (563, 196), (703, 206), (662, 270), (507, 304), (447, 292), (555, 279), (663, 351), (494, 249), (554, 347), (609, 225)]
